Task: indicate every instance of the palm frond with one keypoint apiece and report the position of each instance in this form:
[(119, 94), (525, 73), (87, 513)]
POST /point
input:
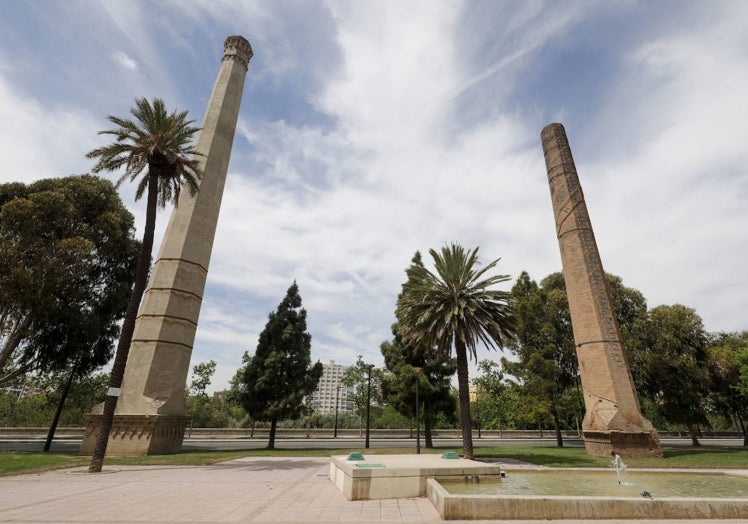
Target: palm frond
[(156, 143), (455, 303)]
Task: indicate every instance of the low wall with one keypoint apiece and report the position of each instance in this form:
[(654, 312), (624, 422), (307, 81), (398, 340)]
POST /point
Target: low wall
[(305, 433), (487, 507)]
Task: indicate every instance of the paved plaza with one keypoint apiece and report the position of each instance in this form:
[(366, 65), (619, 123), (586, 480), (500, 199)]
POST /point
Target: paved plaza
[(251, 489)]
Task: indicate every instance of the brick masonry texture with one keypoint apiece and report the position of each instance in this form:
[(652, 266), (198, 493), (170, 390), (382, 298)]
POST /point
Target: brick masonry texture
[(610, 399)]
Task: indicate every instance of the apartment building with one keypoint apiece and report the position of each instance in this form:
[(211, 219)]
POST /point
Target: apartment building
[(331, 390)]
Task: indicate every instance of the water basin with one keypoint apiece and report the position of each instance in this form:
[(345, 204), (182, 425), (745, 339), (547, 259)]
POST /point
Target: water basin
[(603, 483), (595, 494)]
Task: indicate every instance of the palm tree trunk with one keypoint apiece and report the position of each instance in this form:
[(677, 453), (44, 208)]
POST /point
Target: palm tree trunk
[(464, 396), (427, 425), (128, 328)]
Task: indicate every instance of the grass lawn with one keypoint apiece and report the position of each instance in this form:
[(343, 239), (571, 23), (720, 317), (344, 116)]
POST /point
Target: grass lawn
[(705, 457), (13, 463)]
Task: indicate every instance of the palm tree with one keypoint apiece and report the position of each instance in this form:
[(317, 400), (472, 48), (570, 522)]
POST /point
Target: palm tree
[(455, 307), (157, 148)]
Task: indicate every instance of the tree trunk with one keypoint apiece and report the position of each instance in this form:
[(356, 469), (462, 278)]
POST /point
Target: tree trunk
[(17, 373), (128, 327), (12, 340), (742, 427), (694, 440), (60, 405), (464, 396), (427, 425), (557, 425), (271, 436)]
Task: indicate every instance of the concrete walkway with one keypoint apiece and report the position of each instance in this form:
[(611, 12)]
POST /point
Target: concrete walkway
[(251, 489)]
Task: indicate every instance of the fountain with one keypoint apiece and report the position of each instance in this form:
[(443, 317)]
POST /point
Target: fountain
[(620, 468), (584, 493), (467, 489), (402, 476)]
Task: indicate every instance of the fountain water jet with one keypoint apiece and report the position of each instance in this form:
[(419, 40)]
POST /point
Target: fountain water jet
[(620, 468)]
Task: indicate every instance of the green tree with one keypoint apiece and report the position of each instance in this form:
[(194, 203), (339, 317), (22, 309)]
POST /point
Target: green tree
[(363, 379), (629, 306), (67, 257), (497, 404), (670, 364), (198, 402), (547, 365), (31, 401), (434, 383), (392, 419), (157, 149), (455, 307), (741, 359), (202, 374), (274, 382), (726, 395)]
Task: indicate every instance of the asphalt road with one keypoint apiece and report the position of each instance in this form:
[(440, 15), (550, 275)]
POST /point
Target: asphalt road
[(71, 445)]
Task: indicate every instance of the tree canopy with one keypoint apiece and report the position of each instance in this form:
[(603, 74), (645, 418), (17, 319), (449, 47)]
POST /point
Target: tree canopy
[(363, 379), (544, 344), (434, 383), (497, 403), (157, 147), (67, 259), (728, 369), (670, 365)]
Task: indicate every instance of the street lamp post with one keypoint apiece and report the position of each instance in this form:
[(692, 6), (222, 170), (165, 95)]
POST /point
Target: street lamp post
[(337, 397), (418, 412), (368, 403), (477, 411)]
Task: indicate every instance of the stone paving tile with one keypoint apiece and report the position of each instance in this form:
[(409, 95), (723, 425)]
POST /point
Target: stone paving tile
[(251, 490)]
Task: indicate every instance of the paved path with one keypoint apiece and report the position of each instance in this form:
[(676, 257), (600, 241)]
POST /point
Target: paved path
[(251, 489)]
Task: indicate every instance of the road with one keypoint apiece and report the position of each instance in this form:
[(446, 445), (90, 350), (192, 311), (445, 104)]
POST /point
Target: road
[(71, 444)]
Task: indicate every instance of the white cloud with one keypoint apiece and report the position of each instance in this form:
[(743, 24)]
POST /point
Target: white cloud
[(669, 191), (125, 61), (426, 131), (396, 74), (343, 210), (41, 141)]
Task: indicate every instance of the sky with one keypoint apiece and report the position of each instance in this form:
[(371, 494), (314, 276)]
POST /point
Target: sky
[(370, 130)]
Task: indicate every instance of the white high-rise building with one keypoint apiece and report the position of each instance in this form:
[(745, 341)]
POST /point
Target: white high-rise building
[(331, 390)]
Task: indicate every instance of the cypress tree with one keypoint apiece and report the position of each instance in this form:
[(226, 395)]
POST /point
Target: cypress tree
[(276, 379)]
